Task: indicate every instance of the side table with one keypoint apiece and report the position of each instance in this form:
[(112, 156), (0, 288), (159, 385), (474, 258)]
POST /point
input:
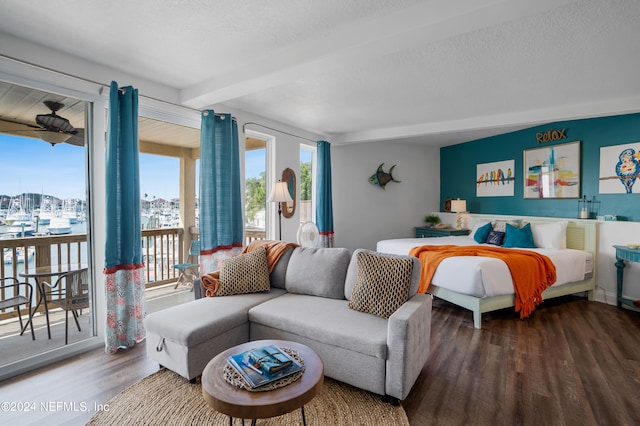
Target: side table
[(631, 255), (236, 402)]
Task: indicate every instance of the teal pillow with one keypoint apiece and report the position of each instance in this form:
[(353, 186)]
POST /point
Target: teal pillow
[(482, 233), (519, 237)]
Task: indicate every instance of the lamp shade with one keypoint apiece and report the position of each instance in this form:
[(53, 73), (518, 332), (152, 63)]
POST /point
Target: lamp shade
[(280, 193), (52, 137), (458, 206)]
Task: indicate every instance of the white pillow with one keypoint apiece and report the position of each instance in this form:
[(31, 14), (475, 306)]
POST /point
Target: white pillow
[(550, 235)]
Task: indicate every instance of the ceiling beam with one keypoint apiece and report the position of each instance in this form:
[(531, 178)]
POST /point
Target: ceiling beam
[(521, 119), (360, 41)]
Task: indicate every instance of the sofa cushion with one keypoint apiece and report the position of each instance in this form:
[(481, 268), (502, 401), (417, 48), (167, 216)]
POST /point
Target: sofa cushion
[(352, 271), (317, 271), (192, 323), (246, 273), (325, 320), (279, 271), (382, 285)]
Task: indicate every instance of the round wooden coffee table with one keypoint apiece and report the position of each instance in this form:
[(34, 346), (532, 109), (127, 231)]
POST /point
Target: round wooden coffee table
[(237, 402)]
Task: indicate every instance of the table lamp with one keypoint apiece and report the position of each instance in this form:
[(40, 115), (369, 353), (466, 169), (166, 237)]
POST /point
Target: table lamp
[(458, 206), (280, 194)]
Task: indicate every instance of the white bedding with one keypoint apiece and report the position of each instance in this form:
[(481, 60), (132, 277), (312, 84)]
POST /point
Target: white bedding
[(484, 276)]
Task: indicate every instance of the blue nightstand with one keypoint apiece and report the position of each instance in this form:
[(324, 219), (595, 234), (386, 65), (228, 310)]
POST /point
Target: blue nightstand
[(631, 255)]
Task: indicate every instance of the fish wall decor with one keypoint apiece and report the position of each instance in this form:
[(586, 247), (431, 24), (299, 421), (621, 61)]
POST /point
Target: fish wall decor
[(381, 178)]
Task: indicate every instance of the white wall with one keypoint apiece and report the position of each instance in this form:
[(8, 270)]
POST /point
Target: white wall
[(364, 213)]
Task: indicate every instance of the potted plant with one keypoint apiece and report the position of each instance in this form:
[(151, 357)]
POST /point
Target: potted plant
[(432, 220)]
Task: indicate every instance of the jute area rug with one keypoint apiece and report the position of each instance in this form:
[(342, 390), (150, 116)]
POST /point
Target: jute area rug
[(165, 398)]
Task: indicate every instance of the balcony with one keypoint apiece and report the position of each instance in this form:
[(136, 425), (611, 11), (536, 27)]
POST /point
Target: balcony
[(161, 249)]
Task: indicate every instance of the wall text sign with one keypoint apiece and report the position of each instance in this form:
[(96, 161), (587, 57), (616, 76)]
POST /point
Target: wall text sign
[(551, 135)]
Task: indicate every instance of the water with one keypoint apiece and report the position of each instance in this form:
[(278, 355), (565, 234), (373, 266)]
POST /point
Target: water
[(77, 228)]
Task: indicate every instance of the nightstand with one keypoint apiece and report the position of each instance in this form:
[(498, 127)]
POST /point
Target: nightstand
[(423, 232)]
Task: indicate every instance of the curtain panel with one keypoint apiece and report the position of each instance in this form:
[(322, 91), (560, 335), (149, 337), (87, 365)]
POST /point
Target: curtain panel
[(221, 222), (324, 209), (124, 269)]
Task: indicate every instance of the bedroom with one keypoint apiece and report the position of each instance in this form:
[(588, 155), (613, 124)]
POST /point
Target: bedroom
[(381, 126)]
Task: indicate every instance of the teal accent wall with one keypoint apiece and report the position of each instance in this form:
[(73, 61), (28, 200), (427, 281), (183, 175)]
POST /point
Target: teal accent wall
[(458, 168)]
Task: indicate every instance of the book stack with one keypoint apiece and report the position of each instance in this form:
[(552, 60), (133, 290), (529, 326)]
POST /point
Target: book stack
[(263, 365)]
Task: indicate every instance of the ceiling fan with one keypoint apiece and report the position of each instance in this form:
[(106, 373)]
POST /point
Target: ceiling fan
[(51, 127)]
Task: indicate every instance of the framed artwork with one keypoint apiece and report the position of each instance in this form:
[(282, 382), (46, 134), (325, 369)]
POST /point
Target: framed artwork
[(289, 176), (495, 179), (619, 169), (552, 171)]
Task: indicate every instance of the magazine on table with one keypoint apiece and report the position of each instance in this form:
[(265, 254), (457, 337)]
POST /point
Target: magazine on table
[(263, 365)]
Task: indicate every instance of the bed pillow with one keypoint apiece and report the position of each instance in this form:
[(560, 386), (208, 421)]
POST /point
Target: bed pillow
[(477, 225), (550, 235), (495, 238), (382, 285), (245, 273), (481, 233), (501, 225), (518, 237)]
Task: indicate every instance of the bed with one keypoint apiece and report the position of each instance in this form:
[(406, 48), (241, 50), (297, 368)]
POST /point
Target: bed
[(483, 284)]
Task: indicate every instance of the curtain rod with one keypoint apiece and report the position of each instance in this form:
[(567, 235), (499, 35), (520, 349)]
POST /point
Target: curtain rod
[(276, 130), (99, 83)]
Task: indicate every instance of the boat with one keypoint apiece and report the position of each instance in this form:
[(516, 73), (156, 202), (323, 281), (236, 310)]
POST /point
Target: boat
[(20, 224), (8, 255), (59, 226)]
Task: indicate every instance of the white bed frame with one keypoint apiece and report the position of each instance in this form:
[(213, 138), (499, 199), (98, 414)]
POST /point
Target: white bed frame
[(581, 235)]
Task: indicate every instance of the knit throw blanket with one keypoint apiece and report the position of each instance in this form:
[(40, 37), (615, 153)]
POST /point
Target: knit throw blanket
[(531, 272), (275, 250)]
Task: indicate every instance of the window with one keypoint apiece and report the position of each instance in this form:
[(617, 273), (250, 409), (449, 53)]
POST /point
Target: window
[(307, 187), (255, 170), (44, 211)]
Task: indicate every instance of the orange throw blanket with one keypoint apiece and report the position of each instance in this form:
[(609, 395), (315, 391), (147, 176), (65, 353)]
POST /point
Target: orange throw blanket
[(531, 272), (275, 250)]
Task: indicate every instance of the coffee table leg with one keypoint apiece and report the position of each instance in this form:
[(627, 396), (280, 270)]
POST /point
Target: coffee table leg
[(304, 420)]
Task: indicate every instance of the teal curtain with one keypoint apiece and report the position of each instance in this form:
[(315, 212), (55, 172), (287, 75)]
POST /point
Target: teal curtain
[(324, 208), (221, 226), (124, 269)]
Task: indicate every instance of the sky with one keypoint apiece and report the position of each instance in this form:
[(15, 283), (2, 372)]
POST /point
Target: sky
[(32, 165)]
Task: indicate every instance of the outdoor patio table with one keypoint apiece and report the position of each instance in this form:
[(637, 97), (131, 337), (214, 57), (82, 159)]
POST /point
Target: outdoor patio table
[(38, 274)]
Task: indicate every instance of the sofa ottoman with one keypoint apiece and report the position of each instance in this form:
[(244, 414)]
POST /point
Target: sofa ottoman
[(184, 338)]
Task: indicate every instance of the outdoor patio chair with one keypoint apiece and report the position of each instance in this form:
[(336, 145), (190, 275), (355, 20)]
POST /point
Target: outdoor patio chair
[(71, 293), (189, 271), (20, 294)]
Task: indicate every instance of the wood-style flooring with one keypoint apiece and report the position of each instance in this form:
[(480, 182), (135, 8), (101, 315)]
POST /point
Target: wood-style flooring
[(573, 362)]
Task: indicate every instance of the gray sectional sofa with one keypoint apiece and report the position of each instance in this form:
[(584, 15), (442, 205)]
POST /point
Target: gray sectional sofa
[(307, 303)]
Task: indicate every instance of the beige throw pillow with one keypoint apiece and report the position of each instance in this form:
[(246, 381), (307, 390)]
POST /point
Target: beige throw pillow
[(382, 285), (246, 273)]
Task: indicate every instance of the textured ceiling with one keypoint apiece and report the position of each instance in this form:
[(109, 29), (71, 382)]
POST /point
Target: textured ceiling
[(434, 72)]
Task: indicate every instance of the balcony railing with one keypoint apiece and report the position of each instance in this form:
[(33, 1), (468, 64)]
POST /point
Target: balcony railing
[(161, 249)]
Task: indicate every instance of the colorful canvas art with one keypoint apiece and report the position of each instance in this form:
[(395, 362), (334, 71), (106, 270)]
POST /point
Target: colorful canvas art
[(619, 169), (552, 172), (495, 179)]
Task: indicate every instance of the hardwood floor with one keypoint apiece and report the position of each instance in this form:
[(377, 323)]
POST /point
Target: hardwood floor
[(573, 362)]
